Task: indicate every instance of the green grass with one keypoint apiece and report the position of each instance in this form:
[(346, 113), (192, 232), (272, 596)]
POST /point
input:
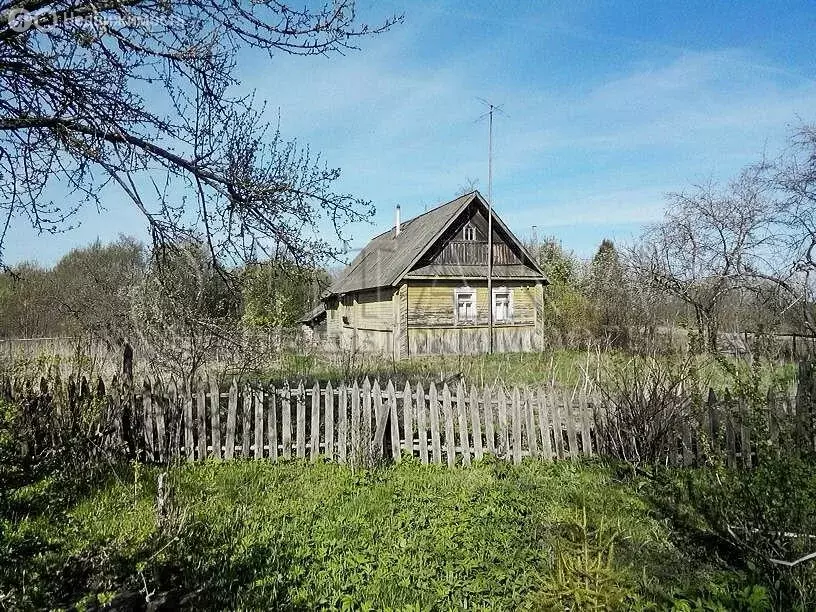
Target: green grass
[(250, 534), (561, 367)]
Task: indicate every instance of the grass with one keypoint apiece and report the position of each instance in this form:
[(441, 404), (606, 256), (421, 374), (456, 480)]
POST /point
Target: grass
[(559, 367), (250, 534)]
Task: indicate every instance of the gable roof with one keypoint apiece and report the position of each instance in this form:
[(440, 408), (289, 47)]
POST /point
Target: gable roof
[(385, 260)]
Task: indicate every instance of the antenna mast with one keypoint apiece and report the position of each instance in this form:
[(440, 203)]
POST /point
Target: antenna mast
[(490, 233), (489, 114)]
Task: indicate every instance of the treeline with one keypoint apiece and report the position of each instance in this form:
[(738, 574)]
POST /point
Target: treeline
[(175, 304), (733, 258)]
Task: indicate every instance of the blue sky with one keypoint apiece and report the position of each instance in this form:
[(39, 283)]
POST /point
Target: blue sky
[(609, 106)]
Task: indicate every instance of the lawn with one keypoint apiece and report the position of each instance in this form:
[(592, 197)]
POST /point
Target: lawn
[(251, 534)]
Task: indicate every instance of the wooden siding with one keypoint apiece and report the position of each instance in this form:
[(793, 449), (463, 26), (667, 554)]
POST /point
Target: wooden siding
[(431, 303), (475, 253), (472, 340), (401, 336), (374, 310), (452, 248)]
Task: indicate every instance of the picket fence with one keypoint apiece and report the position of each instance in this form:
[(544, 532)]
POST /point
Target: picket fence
[(360, 423)]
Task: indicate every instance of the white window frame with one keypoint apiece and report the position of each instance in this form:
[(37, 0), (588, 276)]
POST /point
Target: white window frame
[(496, 292), (472, 229), (474, 317)]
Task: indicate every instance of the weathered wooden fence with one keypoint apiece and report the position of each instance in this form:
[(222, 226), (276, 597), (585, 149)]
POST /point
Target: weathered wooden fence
[(363, 423)]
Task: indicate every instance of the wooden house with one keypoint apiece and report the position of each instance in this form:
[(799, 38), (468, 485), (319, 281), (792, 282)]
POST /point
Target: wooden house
[(421, 288)]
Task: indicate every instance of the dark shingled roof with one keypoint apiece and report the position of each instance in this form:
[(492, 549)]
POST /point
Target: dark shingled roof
[(314, 314), (387, 258)]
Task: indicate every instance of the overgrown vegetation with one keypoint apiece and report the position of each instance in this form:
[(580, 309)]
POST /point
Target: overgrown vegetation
[(297, 536)]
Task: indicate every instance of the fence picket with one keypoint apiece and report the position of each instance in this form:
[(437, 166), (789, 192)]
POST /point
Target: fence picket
[(300, 399), (530, 423), (558, 423), (745, 435), (569, 415), (328, 418), (342, 428), (422, 423), (232, 416), (730, 434), (476, 425), (365, 418), (408, 419), (447, 413), (147, 410), (188, 422), (464, 441), (201, 419), (356, 433), (159, 411), (517, 418), (393, 419), (380, 412), (272, 422), (215, 417), (433, 409), (258, 400), (586, 436), (286, 421), (503, 447), (314, 443), (543, 423), (487, 408), (246, 420)]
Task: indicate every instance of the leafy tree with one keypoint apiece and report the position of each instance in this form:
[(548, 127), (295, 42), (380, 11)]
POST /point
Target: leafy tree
[(608, 291), (27, 305), (568, 313), (93, 285), (139, 95), (276, 293)]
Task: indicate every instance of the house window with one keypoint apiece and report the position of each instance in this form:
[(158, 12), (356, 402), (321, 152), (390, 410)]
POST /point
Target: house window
[(469, 233), (502, 305), (465, 305)]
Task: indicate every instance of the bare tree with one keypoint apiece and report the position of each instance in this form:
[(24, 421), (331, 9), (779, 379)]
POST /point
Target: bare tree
[(711, 243), (140, 95), (796, 179)]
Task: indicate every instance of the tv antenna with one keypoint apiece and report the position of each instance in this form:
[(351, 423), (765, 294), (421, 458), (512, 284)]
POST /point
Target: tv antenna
[(491, 108)]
